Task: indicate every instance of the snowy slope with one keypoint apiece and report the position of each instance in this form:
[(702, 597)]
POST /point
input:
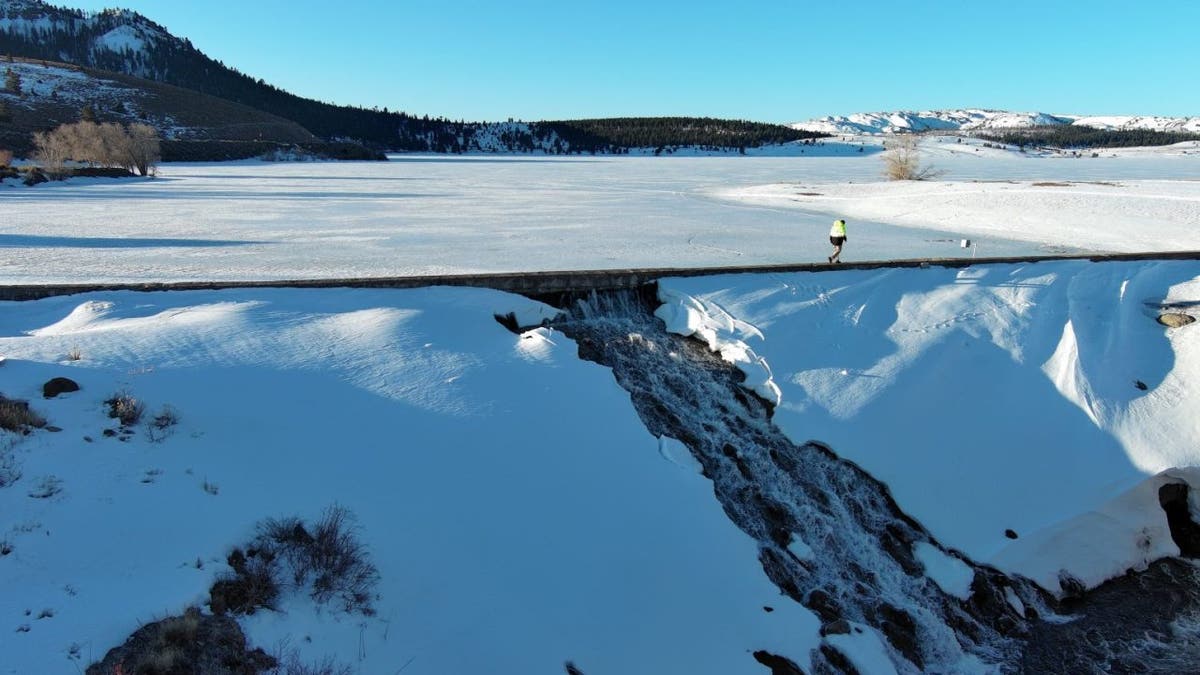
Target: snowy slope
[(70, 86), (1044, 399), (974, 119), (519, 513)]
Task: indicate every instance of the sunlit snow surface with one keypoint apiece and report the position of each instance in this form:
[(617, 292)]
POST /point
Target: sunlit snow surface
[(443, 215)]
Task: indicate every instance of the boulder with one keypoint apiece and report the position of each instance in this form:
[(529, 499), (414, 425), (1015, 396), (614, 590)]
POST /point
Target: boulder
[(1175, 319), (59, 385), (191, 643)]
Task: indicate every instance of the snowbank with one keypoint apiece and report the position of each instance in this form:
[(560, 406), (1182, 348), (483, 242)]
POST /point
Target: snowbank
[(687, 316), (1040, 400)]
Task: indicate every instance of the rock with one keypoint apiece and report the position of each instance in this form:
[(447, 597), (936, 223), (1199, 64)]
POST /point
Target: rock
[(1175, 319), (192, 643), (1140, 385), (836, 660), (778, 664), (59, 385), (1010, 534), (1072, 587), (900, 629), (839, 627), (1184, 531), (823, 605)]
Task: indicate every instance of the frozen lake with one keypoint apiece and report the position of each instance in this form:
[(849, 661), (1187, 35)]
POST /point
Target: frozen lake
[(425, 215)]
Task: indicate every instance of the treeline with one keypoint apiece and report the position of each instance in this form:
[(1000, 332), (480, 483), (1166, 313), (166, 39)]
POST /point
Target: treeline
[(605, 135), (1079, 137)]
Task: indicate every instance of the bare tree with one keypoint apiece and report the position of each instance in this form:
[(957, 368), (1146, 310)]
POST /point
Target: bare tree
[(51, 150), (902, 161), (144, 149), (108, 144)]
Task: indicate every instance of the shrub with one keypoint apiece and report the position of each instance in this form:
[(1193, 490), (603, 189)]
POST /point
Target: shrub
[(105, 145), (288, 662), (328, 558), (180, 630), (252, 585), (339, 562), (160, 425), (125, 408), (6, 156), (902, 161), (16, 416)]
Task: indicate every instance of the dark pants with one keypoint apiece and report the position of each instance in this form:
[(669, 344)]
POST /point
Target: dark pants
[(837, 248)]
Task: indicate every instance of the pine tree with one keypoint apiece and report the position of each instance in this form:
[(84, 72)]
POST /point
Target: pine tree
[(87, 114), (5, 115)]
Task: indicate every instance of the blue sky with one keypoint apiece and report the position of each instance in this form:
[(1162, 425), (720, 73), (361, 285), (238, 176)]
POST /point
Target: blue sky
[(765, 61)]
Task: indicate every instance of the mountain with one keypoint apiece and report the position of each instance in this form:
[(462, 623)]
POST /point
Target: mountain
[(126, 42), (979, 119)]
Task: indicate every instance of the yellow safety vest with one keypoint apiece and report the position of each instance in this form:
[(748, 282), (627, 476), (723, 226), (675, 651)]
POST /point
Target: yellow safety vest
[(838, 229)]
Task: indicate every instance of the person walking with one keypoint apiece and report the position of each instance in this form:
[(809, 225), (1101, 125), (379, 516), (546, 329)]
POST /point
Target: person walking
[(837, 237)]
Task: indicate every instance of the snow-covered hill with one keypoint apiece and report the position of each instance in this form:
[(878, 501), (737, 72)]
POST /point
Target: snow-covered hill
[(112, 35), (51, 93), (975, 119)]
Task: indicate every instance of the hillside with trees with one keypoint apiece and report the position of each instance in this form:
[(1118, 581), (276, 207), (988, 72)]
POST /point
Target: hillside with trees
[(605, 135), (42, 95), (39, 31), (1077, 137)]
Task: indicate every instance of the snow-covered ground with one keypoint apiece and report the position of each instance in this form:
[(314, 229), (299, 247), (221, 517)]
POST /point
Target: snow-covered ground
[(1041, 398), (520, 514), (444, 215)]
